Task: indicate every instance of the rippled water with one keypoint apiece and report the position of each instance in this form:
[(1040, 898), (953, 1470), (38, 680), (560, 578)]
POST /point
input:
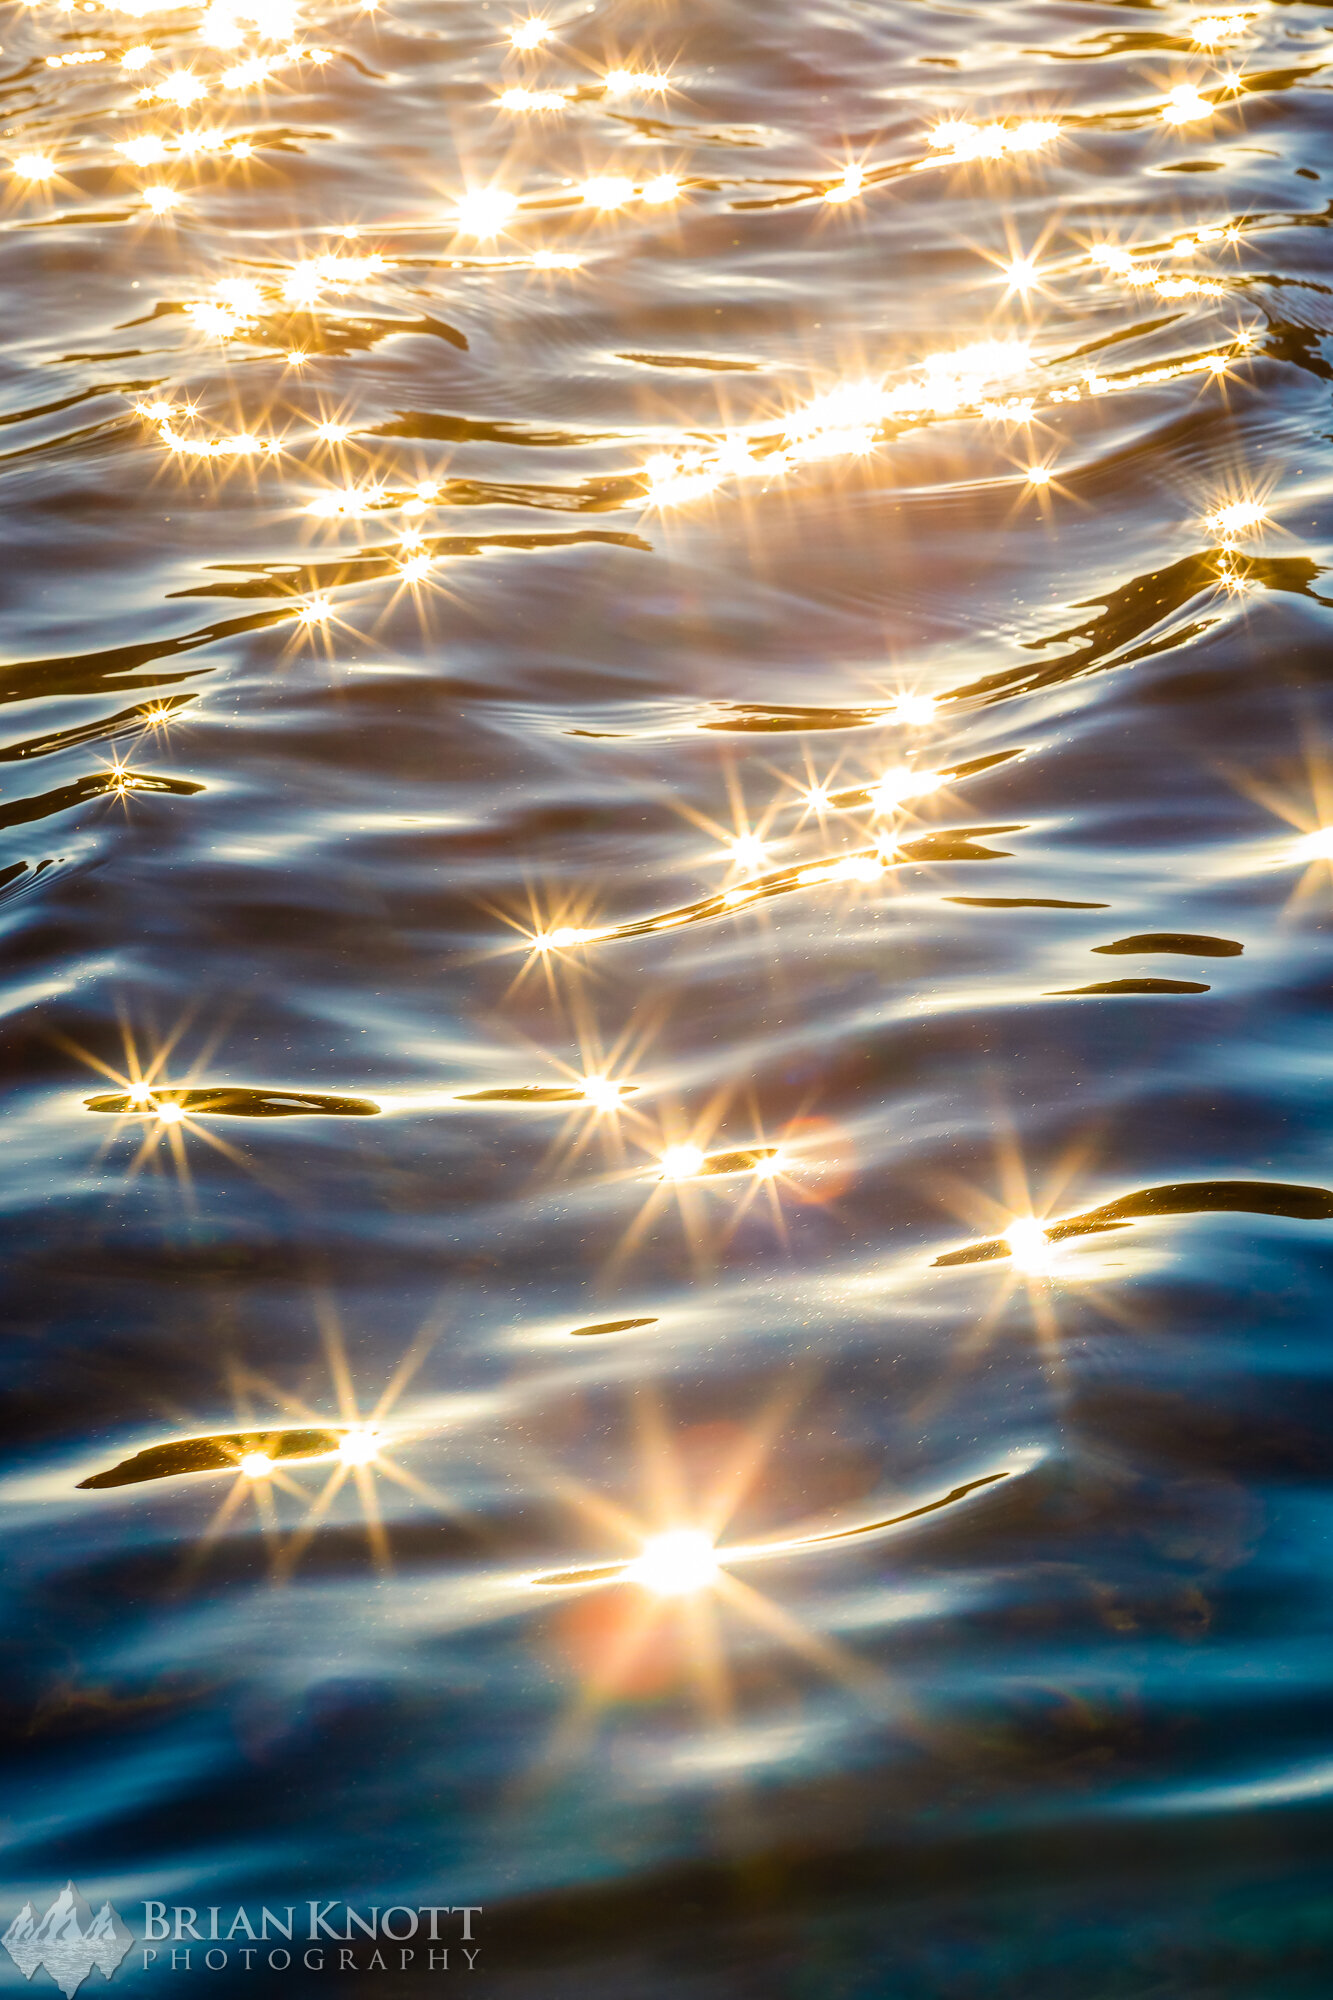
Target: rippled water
[(663, 878)]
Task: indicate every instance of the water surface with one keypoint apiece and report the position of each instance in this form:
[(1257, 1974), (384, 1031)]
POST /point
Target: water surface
[(664, 873)]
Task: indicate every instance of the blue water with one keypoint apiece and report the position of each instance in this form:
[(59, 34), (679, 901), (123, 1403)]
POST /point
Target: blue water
[(691, 705)]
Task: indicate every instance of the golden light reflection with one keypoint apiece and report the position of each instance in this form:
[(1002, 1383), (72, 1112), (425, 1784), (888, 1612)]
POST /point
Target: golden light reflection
[(519, 99), (846, 420), (602, 1092), (675, 1564), (959, 139), (180, 87), (359, 1446), (530, 34), (144, 151), (659, 1617), (1021, 274), (566, 937), (606, 191), (1031, 1248), (1236, 518), (1024, 1239), (748, 851), (848, 187), (1302, 799), (1186, 105), (627, 82), (894, 788), (1316, 846), (1210, 29), (155, 1110), (1000, 379), (485, 211)]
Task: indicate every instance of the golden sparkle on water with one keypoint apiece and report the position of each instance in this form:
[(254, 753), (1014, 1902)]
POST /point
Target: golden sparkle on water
[(862, 405), (485, 211), (1210, 29), (675, 1564), (607, 191), (602, 1092), (1237, 518), (359, 1446), (564, 938), (1186, 105), (848, 187), (519, 99), (1316, 846), (914, 711), (748, 851), (959, 139), (1029, 1245)]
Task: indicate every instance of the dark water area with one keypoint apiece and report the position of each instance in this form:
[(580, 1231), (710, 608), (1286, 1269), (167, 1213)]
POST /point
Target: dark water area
[(666, 853)]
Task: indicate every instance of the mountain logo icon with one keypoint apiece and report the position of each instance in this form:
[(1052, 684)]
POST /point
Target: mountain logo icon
[(69, 1940)]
